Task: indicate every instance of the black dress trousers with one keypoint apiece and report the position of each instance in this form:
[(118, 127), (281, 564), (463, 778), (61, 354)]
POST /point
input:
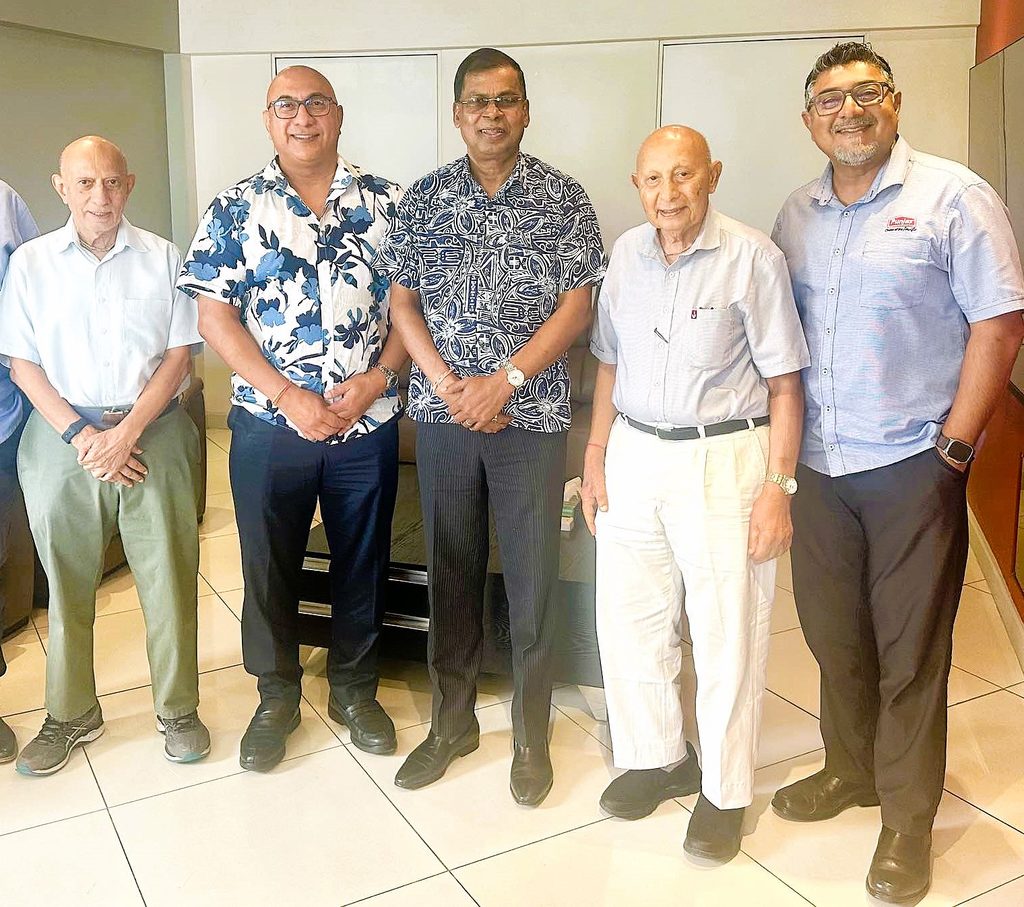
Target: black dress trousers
[(520, 474), (276, 479), (878, 567)]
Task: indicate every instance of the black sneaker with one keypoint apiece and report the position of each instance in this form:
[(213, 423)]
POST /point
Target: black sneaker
[(638, 792), (713, 835)]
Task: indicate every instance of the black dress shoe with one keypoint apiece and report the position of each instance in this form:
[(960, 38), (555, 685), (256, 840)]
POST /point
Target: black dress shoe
[(372, 730), (821, 796), (8, 743), (901, 869), (637, 793), (430, 760), (263, 743), (532, 776), (713, 834)]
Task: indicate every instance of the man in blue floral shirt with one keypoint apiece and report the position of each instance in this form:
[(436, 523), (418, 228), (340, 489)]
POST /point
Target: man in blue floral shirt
[(492, 268), (282, 265)]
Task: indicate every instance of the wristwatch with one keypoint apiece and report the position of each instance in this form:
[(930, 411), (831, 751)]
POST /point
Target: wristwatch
[(390, 376), (73, 429), (958, 451), (786, 483), (514, 374)]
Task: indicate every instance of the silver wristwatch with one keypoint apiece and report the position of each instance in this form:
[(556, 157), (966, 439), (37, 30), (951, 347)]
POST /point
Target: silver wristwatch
[(514, 374), (786, 483), (390, 376)]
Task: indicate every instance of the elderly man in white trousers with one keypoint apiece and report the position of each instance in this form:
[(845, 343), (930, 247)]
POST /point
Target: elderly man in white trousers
[(687, 482)]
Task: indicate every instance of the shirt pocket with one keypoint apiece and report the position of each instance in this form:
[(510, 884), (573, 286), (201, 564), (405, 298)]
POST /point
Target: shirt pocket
[(147, 323), (894, 273), (710, 336)]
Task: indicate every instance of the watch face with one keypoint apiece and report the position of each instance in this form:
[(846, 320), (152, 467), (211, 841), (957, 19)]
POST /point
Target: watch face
[(789, 485), (959, 451), (515, 377)]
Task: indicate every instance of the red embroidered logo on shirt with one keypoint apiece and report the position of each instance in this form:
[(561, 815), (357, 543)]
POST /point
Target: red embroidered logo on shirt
[(901, 225)]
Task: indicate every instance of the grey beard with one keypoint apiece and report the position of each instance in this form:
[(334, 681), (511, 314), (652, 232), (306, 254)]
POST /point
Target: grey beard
[(855, 155)]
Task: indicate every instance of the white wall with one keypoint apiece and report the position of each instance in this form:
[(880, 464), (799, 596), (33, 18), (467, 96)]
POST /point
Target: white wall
[(311, 26), (141, 23)]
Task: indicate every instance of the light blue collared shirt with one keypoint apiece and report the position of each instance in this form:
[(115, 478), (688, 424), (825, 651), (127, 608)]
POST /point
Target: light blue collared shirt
[(887, 289), (16, 227), (692, 342), (98, 329)]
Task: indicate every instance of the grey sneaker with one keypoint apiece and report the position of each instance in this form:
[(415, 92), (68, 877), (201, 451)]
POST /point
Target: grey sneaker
[(52, 747), (188, 740), (8, 743)]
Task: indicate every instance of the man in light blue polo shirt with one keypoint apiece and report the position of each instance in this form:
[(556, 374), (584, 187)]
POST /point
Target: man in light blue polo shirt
[(908, 283), (16, 226)]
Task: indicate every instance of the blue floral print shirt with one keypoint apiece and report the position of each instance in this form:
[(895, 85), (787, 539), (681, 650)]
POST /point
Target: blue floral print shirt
[(489, 272), (306, 286)]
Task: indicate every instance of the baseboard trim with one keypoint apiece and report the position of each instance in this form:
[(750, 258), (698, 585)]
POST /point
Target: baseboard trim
[(997, 586)]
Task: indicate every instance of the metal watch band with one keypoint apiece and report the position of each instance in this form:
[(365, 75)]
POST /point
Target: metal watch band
[(390, 375)]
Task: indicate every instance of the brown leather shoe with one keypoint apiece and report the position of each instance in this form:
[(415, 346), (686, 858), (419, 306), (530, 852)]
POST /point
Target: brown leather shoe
[(821, 796), (901, 869), (532, 776)]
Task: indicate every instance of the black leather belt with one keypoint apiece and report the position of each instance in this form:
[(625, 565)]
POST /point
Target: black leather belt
[(704, 431), (109, 416)]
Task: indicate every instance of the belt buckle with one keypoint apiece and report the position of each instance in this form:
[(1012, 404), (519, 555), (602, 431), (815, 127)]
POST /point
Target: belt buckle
[(113, 416)]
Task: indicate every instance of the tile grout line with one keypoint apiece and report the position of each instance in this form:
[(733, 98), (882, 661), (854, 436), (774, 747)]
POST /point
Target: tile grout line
[(113, 825), (980, 809), (981, 894), (369, 897), (17, 831)]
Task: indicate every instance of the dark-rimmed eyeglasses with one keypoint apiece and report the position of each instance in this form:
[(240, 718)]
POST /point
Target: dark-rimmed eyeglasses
[(286, 108), (478, 103), (867, 94)]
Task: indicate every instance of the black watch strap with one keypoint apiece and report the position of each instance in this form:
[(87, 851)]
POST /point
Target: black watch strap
[(73, 429), (958, 451)]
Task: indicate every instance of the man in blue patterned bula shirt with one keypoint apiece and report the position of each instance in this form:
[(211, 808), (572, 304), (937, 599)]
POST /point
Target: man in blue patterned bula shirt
[(492, 266), (282, 264)]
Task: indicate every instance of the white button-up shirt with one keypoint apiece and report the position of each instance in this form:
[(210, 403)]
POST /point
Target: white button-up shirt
[(99, 330), (694, 341)]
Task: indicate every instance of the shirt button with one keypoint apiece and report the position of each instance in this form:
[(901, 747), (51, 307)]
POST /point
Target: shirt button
[(836, 252), (846, 214), (824, 371), (828, 409), (831, 290), (828, 330), (831, 447)]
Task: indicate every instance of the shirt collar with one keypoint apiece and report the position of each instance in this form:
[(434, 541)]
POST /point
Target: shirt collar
[(128, 237), (709, 237), (892, 173), (515, 178), (343, 178)]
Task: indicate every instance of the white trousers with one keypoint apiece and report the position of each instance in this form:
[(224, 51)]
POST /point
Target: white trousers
[(678, 517)]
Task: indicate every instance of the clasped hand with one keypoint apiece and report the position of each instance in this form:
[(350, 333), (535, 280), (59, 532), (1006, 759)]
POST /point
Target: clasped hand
[(476, 403), (110, 455), (318, 418)]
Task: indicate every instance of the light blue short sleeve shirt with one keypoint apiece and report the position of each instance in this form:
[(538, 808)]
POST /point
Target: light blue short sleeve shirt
[(887, 289)]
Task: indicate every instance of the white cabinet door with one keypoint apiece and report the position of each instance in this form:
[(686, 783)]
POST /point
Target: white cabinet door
[(390, 104), (746, 97)]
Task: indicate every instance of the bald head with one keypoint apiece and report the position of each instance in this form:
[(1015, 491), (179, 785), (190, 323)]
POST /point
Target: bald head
[(682, 137), (94, 183), (675, 176), (91, 146), (299, 82)]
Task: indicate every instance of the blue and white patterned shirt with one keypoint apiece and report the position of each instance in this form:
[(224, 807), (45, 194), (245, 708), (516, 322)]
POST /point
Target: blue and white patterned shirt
[(306, 286), (887, 288), (489, 272)]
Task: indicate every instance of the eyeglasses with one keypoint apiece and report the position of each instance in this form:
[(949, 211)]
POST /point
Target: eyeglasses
[(478, 103), (288, 108), (867, 94)]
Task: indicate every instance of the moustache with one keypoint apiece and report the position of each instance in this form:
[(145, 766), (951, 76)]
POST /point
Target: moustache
[(853, 122)]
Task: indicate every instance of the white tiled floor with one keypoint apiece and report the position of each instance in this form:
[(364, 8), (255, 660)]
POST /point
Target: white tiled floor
[(121, 826)]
